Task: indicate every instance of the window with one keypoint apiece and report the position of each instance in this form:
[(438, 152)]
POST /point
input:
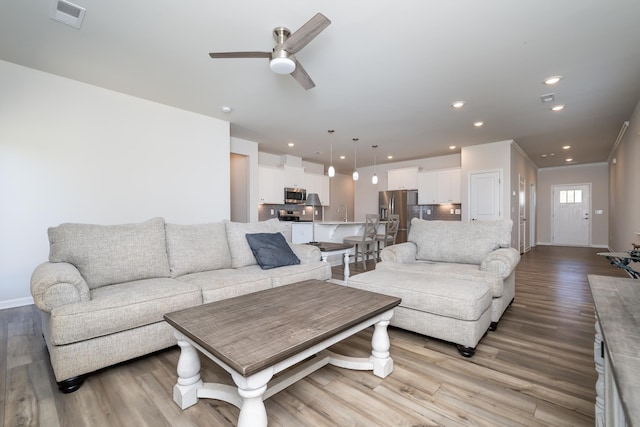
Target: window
[(570, 196)]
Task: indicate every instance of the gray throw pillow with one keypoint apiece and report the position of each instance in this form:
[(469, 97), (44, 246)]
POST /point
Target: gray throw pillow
[(271, 250)]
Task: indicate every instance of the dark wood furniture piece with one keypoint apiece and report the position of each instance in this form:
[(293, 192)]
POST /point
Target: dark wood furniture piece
[(255, 336)]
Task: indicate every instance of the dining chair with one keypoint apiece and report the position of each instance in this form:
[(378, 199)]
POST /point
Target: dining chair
[(390, 235), (365, 243)]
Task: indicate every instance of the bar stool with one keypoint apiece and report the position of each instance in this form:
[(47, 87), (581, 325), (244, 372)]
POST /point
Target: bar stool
[(365, 242)]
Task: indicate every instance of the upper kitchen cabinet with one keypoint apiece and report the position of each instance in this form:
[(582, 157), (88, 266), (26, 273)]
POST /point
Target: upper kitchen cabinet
[(402, 179), (270, 185), (293, 176), (439, 187), (316, 183)]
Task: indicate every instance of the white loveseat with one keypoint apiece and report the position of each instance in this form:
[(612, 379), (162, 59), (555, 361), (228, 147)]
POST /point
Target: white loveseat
[(455, 279), (105, 289)]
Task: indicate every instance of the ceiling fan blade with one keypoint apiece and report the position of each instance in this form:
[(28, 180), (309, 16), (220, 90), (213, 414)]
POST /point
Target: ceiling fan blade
[(240, 54), (306, 33), (301, 76)]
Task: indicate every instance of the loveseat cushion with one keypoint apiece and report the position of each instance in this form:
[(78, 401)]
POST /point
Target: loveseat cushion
[(121, 307), (241, 254), (198, 247), (106, 254), (466, 242), (271, 250), (222, 284)]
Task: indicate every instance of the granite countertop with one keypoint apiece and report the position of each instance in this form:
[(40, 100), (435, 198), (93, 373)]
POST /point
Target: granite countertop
[(617, 304), (343, 222)]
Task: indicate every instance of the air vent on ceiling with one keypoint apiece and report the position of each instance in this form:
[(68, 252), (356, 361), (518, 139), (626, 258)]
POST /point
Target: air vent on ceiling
[(67, 13), (548, 97)]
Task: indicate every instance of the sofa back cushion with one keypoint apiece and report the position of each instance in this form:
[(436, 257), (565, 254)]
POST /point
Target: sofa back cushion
[(241, 254), (107, 254), (196, 248), (467, 242)]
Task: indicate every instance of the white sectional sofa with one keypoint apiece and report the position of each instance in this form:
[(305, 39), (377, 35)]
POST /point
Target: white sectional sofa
[(455, 279), (105, 288)]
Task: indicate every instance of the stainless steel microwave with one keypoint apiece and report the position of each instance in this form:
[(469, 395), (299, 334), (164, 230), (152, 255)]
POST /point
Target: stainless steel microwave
[(295, 196)]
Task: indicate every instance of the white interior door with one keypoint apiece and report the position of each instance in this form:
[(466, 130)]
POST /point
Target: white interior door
[(532, 218), (571, 220), (522, 215), (485, 189)]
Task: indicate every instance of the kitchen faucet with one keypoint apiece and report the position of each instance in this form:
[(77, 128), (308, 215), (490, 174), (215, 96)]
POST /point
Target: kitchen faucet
[(346, 215)]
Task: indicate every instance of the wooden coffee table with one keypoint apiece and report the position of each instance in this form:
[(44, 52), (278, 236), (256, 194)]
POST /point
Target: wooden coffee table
[(255, 336)]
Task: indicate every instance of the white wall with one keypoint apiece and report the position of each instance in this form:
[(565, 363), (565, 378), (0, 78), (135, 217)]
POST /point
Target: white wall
[(595, 174), (485, 157), (71, 152), (624, 177), (249, 149)]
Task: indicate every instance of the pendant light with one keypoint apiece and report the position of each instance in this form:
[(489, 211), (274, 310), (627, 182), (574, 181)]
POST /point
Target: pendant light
[(374, 178), (355, 168), (331, 171)]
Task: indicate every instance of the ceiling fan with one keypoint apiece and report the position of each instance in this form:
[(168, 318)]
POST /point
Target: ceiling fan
[(282, 58)]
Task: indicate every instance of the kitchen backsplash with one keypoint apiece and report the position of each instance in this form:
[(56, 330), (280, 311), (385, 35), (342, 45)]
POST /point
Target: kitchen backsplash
[(441, 212), (266, 212)]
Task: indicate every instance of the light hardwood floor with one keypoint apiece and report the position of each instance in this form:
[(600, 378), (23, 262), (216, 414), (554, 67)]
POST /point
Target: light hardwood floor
[(535, 369)]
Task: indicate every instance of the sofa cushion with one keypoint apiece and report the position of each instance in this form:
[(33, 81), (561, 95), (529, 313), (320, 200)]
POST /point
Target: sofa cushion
[(106, 254), (121, 307), (466, 242), (222, 284), (198, 247), (241, 254), (271, 250)]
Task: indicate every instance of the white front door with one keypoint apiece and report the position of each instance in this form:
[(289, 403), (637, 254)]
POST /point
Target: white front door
[(571, 221), (485, 189)]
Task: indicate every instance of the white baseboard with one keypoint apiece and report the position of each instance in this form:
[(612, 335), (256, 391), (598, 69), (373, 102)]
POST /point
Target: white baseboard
[(18, 302)]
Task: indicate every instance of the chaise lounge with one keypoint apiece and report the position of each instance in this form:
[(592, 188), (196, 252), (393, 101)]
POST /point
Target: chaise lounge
[(455, 279)]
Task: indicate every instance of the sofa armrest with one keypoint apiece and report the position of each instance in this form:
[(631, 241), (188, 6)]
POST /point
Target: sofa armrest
[(502, 261), (306, 253), (54, 284), (400, 253)]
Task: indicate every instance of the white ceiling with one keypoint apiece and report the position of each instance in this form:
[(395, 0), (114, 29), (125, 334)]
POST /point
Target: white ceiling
[(386, 72)]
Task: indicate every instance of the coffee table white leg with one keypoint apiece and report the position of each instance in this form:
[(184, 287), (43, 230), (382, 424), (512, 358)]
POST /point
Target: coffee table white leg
[(346, 266), (251, 389), (380, 344), (185, 392)]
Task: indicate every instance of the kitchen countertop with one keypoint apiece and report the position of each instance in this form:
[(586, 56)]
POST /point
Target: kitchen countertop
[(617, 304)]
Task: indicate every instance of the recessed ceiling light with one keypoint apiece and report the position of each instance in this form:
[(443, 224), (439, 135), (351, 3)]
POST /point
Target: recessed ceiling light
[(552, 154), (557, 107), (389, 157), (543, 155), (226, 109), (452, 147), (478, 124), (343, 157), (566, 147), (569, 159), (291, 144), (552, 80), (458, 104)]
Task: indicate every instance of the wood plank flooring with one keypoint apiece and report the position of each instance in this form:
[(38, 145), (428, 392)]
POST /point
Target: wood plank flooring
[(536, 369)]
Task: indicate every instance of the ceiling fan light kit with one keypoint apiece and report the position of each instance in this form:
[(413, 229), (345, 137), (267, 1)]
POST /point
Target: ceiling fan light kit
[(281, 59)]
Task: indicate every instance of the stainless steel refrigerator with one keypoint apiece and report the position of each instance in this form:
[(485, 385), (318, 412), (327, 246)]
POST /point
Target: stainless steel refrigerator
[(403, 203)]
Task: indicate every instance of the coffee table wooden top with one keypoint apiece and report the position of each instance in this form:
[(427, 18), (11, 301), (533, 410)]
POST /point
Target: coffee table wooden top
[(331, 246), (257, 330)]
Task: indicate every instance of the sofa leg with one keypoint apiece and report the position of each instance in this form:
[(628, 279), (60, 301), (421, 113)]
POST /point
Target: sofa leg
[(466, 351), (71, 384), (493, 326)]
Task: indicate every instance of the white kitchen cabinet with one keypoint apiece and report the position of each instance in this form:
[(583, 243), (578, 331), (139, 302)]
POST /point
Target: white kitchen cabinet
[(293, 176), (439, 187), (316, 183), (427, 188), (402, 179), (270, 185), (301, 232)]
